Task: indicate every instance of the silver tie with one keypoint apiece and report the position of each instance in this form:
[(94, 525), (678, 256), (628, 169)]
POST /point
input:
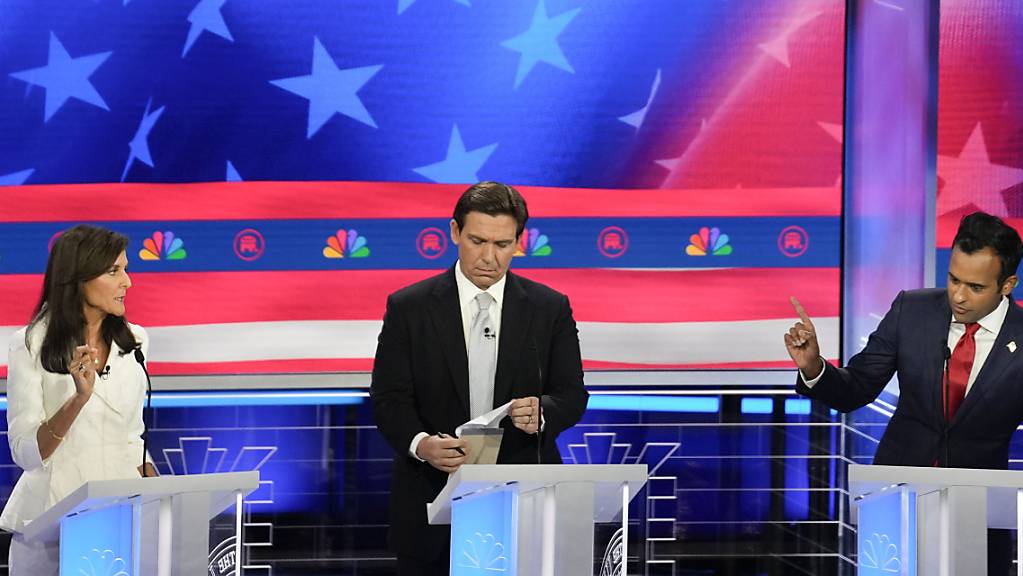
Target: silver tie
[(482, 358)]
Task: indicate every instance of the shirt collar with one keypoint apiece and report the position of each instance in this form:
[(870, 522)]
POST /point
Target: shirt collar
[(993, 321), (467, 291)]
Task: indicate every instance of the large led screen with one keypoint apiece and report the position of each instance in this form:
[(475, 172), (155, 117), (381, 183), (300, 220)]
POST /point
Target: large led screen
[(980, 117), (280, 167)]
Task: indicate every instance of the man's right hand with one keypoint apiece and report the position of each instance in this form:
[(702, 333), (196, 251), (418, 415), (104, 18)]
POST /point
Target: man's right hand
[(801, 342), (442, 452)]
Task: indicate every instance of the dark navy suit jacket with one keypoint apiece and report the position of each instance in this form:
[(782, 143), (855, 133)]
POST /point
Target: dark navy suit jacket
[(421, 384), (911, 341)]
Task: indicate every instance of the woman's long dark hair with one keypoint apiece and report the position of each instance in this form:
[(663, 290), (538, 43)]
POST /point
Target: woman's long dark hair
[(79, 255)]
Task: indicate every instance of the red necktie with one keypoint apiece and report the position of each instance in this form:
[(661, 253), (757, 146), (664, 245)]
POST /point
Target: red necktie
[(959, 368)]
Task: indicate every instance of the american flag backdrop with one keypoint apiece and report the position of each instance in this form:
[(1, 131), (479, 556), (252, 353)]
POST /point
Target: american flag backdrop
[(280, 167), (980, 117)]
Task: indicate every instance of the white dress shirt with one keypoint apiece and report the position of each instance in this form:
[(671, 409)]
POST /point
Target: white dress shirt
[(984, 339), (467, 292)]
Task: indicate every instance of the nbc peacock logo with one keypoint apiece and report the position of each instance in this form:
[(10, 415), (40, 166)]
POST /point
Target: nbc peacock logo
[(346, 244), (163, 246), (709, 241), (533, 243)]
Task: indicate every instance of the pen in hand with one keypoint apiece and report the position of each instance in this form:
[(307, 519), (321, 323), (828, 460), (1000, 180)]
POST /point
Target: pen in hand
[(457, 449)]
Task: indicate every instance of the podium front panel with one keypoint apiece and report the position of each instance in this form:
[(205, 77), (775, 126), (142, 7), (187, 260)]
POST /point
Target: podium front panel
[(99, 542), (887, 534), (484, 533)]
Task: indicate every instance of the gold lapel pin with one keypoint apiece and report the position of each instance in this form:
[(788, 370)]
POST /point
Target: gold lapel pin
[(1011, 346)]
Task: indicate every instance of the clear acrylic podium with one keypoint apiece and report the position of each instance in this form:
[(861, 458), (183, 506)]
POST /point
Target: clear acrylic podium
[(533, 519), (100, 524), (915, 520)]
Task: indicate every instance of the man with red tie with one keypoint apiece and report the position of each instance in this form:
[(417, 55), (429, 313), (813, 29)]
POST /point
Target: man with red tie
[(961, 414)]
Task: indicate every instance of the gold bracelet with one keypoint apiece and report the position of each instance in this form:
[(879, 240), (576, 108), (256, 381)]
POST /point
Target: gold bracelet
[(46, 423)]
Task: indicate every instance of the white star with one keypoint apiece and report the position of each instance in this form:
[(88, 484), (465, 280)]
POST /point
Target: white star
[(636, 118), (206, 17), (403, 5), (779, 47), (16, 178), (139, 145), (65, 77), (833, 130), (460, 166), (672, 164), (540, 42), (973, 179), (232, 174), (330, 90)]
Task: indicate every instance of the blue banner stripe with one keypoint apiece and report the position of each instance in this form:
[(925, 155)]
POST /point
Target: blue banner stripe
[(776, 242)]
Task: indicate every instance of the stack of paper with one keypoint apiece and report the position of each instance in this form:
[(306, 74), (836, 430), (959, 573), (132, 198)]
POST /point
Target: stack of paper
[(484, 434)]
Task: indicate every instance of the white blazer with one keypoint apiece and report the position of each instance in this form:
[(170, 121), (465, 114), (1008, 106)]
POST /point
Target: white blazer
[(104, 442)]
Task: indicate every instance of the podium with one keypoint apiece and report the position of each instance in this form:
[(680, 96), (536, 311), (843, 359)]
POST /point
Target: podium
[(534, 519), (925, 521), (100, 524)]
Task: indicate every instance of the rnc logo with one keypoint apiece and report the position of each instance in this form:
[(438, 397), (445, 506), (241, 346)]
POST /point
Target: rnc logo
[(432, 243), (163, 246), (793, 241), (533, 243), (249, 244), (612, 241)]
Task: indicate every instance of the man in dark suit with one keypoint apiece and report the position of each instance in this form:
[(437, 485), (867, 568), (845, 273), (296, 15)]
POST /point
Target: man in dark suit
[(974, 324), (458, 344)]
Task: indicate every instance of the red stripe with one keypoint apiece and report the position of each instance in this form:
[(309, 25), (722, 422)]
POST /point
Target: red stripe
[(315, 366), (301, 200), (299, 366), (597, 295), (601, 365)]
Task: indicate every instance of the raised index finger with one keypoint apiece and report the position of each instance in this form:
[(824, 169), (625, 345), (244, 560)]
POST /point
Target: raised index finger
[(802, 313)]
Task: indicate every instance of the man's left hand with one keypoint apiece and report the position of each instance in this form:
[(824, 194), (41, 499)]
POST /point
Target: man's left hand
[(525, 414)]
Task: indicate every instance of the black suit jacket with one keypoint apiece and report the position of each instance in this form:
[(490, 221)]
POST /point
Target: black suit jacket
[(910, 341), (421, 384)]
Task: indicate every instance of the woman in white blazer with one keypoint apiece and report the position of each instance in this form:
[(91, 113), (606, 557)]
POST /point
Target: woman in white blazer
[(74, 390)]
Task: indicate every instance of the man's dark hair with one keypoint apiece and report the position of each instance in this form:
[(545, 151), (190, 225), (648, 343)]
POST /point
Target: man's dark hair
[(981, 230), (492, 199)]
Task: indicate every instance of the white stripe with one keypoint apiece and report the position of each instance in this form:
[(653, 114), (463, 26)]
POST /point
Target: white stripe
[(243, 341), (639, 343)]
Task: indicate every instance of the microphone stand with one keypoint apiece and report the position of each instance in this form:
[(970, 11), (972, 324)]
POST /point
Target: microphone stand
[(948, 423), (141, 359), (539, 400)]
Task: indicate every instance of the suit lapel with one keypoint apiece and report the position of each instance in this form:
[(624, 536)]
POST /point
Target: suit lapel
[(516, 317), (106, 391), (941, 321), (447, 319), (997, 361)]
